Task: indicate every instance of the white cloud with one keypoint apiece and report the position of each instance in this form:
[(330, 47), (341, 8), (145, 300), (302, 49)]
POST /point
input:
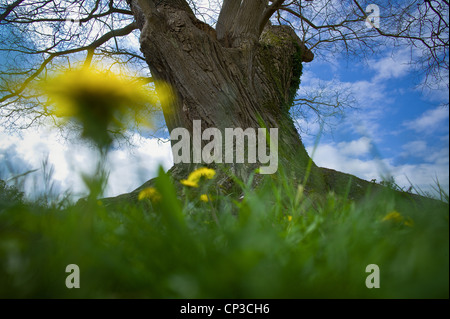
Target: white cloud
[(356, 147), (367, 93), (374, 99), (428, 154), (344, 157), (331, 156), (394, 66), (129, 166), (372, 102), (310, 128), (423, 176), (440, 156), (429, 121), (415, 148)]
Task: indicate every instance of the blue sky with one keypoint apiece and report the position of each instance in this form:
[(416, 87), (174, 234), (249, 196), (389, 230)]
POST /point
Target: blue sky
[(397, 128)]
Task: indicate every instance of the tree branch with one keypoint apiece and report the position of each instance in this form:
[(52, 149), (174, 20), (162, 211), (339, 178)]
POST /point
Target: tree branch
[(268, 12), (89, 17), (90, 48), (247, 22), (226, 19), (10, 8)]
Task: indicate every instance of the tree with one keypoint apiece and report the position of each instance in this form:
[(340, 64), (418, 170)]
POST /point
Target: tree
[(244, 73)]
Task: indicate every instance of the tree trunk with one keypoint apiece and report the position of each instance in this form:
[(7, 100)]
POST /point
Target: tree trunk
[(245, 75)]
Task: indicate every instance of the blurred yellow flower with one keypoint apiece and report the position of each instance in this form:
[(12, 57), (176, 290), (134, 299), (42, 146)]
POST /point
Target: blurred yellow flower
[(409, 222), (149, 193), (195, 176), (165, 95), (396, 217), (205, 198), (289, 218), (102, 101), (393, 216), (189, 183)]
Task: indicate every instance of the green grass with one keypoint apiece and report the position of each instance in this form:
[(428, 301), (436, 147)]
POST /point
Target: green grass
[(275, 243)]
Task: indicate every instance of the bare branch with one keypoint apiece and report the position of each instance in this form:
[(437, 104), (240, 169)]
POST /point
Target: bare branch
[(268, 12), (10, 8), (226, 19), (90, 48)]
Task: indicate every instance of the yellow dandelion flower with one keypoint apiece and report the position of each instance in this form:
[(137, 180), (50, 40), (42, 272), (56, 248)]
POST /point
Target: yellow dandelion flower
[(209, 173), (189, 183), (205, 198), (393, 216), (289, 218), (149, 193), (409, 222), (196, 175)]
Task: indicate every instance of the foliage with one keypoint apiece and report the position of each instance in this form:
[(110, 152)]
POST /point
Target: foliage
[(275, 242), (9, 194)]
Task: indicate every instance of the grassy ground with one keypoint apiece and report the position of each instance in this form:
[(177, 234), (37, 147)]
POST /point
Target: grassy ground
[(276, 242)]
